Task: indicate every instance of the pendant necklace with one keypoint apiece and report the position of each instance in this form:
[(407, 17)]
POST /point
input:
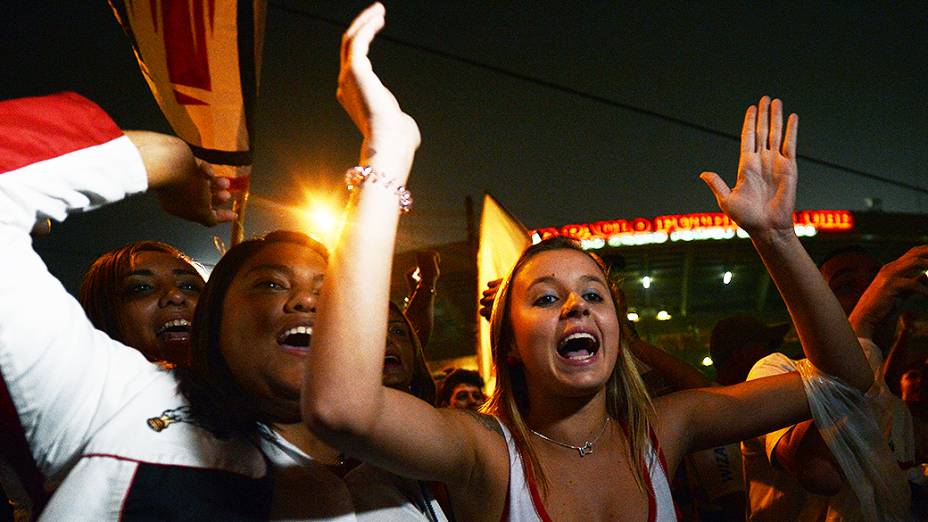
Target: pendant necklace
[(583, 450)]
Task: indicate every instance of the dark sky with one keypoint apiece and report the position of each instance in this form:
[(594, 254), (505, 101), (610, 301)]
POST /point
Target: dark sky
[(855, 73)]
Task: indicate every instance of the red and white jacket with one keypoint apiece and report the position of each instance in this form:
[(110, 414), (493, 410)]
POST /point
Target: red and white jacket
[(86, 404)]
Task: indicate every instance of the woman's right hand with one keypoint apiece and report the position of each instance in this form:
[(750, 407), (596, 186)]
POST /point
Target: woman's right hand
[(387, 130), (185, 186)]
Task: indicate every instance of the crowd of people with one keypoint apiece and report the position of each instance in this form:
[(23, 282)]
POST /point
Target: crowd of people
[(287, 386)]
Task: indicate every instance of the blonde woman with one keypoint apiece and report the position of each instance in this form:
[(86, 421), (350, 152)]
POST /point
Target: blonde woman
[(573, 435)]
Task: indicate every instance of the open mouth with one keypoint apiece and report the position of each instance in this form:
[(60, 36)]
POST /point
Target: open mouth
[(391, 358), (176, 330), (296, 338), (391, 362), (578, 346)]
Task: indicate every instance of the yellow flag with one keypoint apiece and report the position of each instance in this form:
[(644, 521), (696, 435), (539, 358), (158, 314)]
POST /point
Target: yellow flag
[(502, 240)]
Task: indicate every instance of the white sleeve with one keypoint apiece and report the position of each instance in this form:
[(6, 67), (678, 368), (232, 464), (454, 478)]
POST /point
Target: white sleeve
[(65, 377), (77, 181)]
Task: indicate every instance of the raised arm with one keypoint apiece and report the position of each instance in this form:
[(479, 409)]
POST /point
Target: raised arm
[(895, 363), (344, 402), (421, 306), (762, 204), (896, 281), (185, 186), (60, 154)]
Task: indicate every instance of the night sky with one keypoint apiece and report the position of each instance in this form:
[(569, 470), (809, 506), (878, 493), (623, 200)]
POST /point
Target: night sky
[(854, 72)]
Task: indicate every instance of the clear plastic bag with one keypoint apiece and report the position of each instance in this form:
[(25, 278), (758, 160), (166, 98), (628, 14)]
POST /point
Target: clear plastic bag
[(848, 424)]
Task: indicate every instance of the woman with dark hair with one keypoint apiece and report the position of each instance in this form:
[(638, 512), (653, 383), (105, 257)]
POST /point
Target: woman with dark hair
[(125, 438), (575, 435), (143, 295), (404, 365), (228, 317)]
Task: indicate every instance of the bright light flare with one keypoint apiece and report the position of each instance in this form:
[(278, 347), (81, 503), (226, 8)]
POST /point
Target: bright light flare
[(726, 277), (707, 361), (322, 220), (633, 317), (663, 316), (646, 281)]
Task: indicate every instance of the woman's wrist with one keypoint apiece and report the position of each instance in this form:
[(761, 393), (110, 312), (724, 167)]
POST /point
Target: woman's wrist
[(774, 237)]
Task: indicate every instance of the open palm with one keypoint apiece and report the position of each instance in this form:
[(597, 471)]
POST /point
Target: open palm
[(765, 192), (372, 107)]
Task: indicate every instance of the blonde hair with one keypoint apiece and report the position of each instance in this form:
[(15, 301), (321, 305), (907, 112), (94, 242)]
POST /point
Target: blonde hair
[(627, 400)]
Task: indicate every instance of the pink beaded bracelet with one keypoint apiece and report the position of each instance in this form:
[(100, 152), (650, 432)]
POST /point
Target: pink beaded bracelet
[(356, 176)]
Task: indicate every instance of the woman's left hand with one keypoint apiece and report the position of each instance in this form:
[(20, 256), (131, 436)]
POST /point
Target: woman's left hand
[(765, 193), (371, 106)]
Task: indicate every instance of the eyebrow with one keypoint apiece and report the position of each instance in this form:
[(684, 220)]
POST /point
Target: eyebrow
[(282, 268), (271, 266), (147, 272), (551, 279)]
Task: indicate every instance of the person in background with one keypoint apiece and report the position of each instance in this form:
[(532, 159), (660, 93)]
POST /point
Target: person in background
[(420, 305), (462, 388), (143, 295), (793, 472), (738, 342), (404, 365)]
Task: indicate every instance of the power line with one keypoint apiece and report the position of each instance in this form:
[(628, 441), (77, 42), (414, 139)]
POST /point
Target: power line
[(592, 97)]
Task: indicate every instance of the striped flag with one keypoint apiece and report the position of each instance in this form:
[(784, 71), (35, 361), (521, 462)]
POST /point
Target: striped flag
[(202, 61)]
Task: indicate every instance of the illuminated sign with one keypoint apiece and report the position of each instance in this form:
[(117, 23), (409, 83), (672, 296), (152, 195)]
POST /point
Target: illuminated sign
[(686, 227)]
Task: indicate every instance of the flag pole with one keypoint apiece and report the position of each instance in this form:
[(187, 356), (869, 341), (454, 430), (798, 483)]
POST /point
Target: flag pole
[(239, 202)]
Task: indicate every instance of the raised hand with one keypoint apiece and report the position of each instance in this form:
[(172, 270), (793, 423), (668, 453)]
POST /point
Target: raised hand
[(371, 106), (198, 198), (185, 185), (896, 280), (489, 296), (765, 191), (428, 262)]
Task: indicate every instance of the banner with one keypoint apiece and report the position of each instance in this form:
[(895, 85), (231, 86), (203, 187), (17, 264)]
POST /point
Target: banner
[(202, 61)]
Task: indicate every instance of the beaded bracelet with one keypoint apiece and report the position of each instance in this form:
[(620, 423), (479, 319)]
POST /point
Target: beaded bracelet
[(356, 176)]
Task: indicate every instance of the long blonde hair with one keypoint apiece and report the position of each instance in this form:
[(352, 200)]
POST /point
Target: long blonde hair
[(627, 400)]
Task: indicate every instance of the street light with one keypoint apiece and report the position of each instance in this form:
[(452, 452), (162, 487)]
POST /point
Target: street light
[(646, 281)]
